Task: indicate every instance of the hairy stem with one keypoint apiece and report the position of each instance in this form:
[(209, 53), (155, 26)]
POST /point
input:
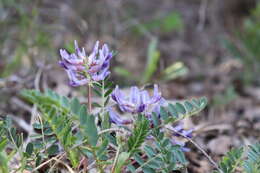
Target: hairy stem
[(89, 99)]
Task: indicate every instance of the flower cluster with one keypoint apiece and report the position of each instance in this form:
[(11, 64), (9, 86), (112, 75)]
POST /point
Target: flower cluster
[(139, 101), (83, 69)]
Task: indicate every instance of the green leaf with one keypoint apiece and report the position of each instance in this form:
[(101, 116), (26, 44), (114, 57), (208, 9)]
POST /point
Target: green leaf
[(109, 84), (155, 119), (97, 92), (74, 157), (140, 132), (3, 143), (173, 110), (65, 101), (102, 149), (131, 168), (53, 150), (122, 72), (153, 56), (179, 155), (108, 92), (95, 104), (174, 71), (188, 106), (75, 106), (29, 148), (180, 108), (87, 123), (163, 113), (138, 159), (148, 170), (149, 151), (122, 158)]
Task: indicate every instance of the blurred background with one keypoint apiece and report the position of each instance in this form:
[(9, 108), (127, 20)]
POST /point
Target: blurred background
[(191, 48)]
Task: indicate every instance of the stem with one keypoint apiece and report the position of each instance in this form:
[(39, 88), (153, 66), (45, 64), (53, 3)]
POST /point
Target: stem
[(89, 99), (103, 97), (116, 159)]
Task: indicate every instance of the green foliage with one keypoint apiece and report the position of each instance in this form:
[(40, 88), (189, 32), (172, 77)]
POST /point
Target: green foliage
[(231, 161), (234, 160), (58, 114), (180, 110), (122, 158), (153, 57), (140, 132), (163, 156), (87, 123), (252, 164), (174, 71)]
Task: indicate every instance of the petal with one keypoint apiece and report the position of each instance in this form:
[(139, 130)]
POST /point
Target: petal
[(141, 108), (134, 95), (76, 46), (156, 95), (145, 97), (64, 54), (95, 49), (188, 133), (115, 118), (118, 96), (105, 50), (75, 79)]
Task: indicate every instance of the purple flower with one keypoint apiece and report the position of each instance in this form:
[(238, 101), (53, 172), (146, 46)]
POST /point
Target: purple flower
[(115, 118), (138, 101), (83, 69), (179, 129)]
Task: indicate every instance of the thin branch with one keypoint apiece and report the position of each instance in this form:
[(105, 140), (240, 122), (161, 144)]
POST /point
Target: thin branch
[(116, 159), (110, 130), (48, 161), (89, 99)]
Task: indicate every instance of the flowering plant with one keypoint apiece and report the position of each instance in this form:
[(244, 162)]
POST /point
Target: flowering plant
[(135, 131)]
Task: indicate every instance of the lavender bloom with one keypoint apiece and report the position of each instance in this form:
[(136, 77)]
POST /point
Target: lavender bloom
[(83, 69), (139, 100), (179, 129), (115, 118)]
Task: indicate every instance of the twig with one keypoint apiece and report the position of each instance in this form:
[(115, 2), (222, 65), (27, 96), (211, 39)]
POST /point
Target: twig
[(199, 147), (116, 159), (48, 161), (90, 166), (52, 167), (110, 130), (66, 165)]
